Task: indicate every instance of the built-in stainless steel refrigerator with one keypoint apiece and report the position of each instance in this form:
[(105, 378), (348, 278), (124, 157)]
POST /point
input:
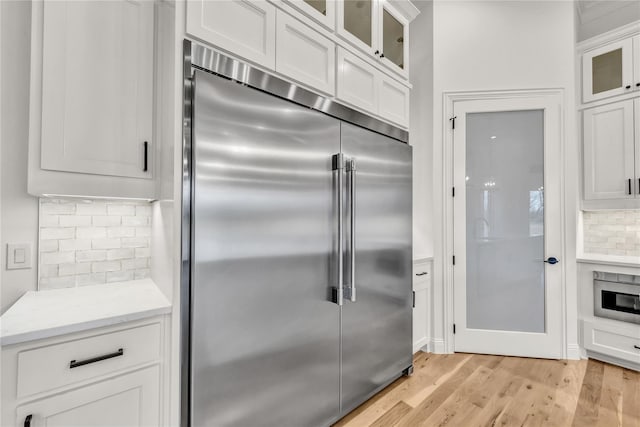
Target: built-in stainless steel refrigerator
[(297, 252)]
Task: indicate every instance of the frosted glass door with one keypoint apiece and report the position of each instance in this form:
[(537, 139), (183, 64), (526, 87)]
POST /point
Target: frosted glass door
[(505, 279)]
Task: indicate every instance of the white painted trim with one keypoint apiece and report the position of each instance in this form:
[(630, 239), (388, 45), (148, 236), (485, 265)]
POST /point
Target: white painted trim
[(612, 360), (438, 346), (623, 32), (574, 352), (447, 203)]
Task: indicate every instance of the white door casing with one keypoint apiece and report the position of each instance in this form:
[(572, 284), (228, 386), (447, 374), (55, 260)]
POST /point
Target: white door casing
[(550, 343)]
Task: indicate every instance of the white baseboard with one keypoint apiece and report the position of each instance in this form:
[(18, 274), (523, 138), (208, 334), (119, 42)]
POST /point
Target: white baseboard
[(437, 346), (420, 345), (574, 352)]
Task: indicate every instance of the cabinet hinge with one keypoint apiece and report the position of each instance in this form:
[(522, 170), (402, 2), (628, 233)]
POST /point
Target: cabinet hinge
[(414, 299), (454, 328), (453, 122)]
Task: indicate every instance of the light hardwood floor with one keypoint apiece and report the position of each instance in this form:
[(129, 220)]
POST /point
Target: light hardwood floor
[(478, 390)]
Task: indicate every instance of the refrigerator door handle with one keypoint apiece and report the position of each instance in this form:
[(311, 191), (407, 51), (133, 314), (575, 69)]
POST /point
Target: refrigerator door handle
[(338, 166), (350, 291)]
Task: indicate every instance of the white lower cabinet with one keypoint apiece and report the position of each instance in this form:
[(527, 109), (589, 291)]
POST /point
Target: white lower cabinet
[(614, 339), (422, 304), (243, 27), (104, 377), (129, 400), (366, 88), (305, 55)]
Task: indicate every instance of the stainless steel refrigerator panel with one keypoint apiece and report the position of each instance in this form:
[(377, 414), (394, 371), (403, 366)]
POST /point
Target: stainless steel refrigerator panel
[(265, 333), (376, 328)]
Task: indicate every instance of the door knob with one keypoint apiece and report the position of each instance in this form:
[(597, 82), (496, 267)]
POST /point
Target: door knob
[(552, 260)]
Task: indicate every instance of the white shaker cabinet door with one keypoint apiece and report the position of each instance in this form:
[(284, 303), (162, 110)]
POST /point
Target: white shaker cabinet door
[(130, 400), (609, 152), (607, 71), (97, 87), (245, 28), (358, 82), (304, 55), (394, 101)]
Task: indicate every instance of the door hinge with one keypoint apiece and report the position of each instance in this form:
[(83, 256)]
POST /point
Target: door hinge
[(454, 260), (454, 328), (453, 191), (453, 122), (413, 304)]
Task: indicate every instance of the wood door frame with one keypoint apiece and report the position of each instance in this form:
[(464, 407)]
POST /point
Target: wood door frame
[(449, 98)]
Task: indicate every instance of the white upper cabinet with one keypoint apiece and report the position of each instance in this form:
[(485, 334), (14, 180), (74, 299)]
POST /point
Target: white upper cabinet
[(97, 87), (91, 98), (610, 151), (610, 70), (368, 89), (304, 55), (241, 27), (322, 11), (380, 29)]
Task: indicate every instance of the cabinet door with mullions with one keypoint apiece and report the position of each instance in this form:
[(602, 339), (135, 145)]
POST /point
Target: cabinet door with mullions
[(358, 24), (608, 71), (394, 39)]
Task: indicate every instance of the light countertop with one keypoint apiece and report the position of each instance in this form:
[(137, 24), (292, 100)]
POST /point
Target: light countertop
[(623, 261), (45, 314)]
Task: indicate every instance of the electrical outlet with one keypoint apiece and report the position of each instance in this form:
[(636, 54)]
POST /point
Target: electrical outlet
[(18, 256)]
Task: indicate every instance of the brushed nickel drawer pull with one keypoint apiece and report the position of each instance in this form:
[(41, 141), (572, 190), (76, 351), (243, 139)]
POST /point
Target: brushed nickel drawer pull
[(75, 364)]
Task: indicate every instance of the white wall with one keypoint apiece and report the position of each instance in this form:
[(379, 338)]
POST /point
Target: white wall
[(19, 214), (421, 129), (502, 45)]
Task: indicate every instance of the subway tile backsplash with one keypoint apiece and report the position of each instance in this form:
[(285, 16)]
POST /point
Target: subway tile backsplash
[(612, 232), (89, 242)]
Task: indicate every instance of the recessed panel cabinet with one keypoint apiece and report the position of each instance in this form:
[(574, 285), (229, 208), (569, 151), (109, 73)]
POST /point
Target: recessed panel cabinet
[(243, 27), (368, 89), (610, 70), (91, 98), (612, 151)]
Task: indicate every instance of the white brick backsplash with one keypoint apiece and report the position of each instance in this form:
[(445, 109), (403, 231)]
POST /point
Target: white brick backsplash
[(135, 242), (612, 232), (135, 221), (48, 233), (95, 208), (121, 232), (106, 244), (118, 254), (88, 242), (49, 258), (121, 210), (91, 232), (48, 246), (102, 266), (84, 256), (73, 269), (106, 221), (121, 276), (75, 245), (75, 221)]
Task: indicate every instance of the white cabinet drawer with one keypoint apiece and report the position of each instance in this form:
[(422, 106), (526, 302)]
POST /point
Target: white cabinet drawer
[(421, 275), (46, 368), (616, 341), (305, 55)]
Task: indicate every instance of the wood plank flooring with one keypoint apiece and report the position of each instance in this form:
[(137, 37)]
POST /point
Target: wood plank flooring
[(469, 390)]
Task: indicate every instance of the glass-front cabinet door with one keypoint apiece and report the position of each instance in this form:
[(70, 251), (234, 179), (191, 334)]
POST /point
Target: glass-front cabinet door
[(608, 71), (322, 11), (394, 35), (357, 23)]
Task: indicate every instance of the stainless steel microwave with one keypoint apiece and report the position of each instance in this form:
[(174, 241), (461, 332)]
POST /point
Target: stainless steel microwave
[(617, 296)]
